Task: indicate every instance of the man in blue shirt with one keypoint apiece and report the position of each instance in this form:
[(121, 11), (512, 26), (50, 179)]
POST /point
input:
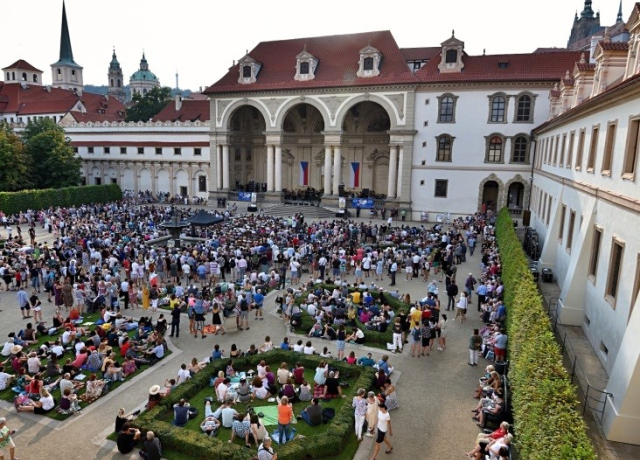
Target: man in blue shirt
[(258, 299), (482, 294), (366, 361), (23, 302)]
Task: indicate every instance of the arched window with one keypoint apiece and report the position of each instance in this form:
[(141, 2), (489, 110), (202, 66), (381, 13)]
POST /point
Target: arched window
[(304, 68), (8, 76), (368, 63), (24, 76), (112, 82), (446, 110), (35, 78), (520, 150), (119, 83), (498, 108), (524, 109), (13, 75), (445, 144), (494, 150), (246, 71), (451, 57)]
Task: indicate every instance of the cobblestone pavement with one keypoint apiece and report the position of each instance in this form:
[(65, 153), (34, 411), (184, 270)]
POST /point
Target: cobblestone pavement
[(435, 392)]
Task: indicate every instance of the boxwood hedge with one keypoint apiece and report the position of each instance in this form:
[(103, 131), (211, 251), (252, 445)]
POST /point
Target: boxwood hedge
[(210, 448), (543, 399), (14, 202)]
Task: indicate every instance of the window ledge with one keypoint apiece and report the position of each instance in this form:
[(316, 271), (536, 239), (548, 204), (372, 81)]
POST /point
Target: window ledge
[(629, 176), (590, 170), (497, 122), (494, 162), (592, 279), (578, 168), (610, 300), (522, 121), (446, 122), (606, 173)]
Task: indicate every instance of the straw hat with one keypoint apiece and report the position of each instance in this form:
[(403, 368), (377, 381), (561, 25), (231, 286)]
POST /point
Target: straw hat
[(154, 390), (15, 349)]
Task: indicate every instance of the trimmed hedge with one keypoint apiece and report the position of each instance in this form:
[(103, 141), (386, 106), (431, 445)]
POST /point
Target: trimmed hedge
[(14, 202), (543, 399), (204, 447), (369, 336)]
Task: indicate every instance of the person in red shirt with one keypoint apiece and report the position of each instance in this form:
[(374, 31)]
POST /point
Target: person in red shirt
[(483, 439)]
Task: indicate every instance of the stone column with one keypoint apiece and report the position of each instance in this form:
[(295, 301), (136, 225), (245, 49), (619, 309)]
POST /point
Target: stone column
[(327, 170), (393, 171), (270, 184), (278, 168), (218, 163), (337, 167), (225, 167), (191, 180), (400, 169)]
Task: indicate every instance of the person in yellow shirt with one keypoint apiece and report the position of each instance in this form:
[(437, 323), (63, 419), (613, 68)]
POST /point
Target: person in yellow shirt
[(416, 316), (145, 297)]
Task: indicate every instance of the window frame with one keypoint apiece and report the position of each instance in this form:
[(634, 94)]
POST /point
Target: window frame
[(244, 68), (123, 150), (202, 182), (636, 288), (488, 149), (443, 158), (158, 150), (612, 288), (106, 150), (593, 148), (609, 146), (177, 151), (572, 138), (505, 109), (632, 148), (549, 205), (90, 150), (570, 229), (451, 53), (441, 100), (140, 150), (561, 230), (580, 150), (596, 247), (307, 68), (366, 60), (446, 190), (527, 148), (562, 150), (197, 151), (532, 103)]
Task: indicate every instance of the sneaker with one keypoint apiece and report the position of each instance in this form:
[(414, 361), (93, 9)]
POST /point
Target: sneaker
[(439, 349), (369, 435), (135, 413)]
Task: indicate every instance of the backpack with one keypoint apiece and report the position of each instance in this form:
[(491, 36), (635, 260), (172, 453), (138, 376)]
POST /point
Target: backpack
[(244, 306), (415, 333), (327, 414)]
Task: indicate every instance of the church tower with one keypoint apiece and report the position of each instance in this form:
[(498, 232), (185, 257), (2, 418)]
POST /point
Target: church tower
[(116, 80), (585, 25), (66, 73), (143, 80)]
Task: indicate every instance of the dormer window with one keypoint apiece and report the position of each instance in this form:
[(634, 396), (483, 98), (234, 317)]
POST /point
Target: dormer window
[(369, 65), (451, 56), (306, 64), (248, 69)]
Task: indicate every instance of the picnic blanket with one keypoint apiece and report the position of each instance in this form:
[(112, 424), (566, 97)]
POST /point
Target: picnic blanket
[(270, 414)]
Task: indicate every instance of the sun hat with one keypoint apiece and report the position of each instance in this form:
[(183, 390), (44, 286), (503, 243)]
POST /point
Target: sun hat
[(16, 349), (154, 390)]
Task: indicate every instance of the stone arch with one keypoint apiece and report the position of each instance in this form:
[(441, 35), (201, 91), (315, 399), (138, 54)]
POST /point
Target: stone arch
[(144, 180), (343, 110), (517, 179), (109, 174), (128, 179), (284, 109), (229, 110), (491, 178), (163, 181), (180, 179), (95, 173)]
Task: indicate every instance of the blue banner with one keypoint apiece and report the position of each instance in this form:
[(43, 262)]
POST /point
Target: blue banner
[(244, 196), (363, 203)]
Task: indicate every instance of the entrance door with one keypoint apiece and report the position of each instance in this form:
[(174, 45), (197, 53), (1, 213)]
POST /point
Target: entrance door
[(516, 196), (490, 195), (114, 180), (183, 191), (98, 180)]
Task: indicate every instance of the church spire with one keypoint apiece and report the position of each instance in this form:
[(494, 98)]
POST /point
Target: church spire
[(114, 65), (587, 12), (619, 18), (66, 53)]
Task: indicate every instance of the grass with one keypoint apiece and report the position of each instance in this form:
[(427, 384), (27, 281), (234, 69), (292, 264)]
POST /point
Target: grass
[(9, 395)]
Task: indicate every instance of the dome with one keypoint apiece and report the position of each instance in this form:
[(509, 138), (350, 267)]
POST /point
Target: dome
[(144, 75)]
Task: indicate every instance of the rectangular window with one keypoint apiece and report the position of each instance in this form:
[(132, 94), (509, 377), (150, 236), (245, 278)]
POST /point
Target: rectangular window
[(564, 144), (197, 151), (202, 183), (90, 149), (609, 142), (593, 148), (555, 152), (177, 151), (140, 150), (441, 188), (123, 150), (561, 231), (107, 150), (549, 202), (580, 150), (631, 150), (636, 288), (595, 252), (572, 137), (615, 265), (158, 150), (75, 150), (572, 223)]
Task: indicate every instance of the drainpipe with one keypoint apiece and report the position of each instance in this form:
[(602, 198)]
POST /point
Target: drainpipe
[(534, 143)]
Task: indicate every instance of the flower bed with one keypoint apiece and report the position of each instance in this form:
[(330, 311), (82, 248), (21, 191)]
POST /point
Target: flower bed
[(329, 441), (543, 398)]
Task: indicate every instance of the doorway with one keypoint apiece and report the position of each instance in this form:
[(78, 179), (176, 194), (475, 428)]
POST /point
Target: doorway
[(490, 195)]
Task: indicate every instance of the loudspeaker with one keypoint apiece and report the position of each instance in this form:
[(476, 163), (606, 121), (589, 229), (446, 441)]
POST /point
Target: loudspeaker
[(526, 218)]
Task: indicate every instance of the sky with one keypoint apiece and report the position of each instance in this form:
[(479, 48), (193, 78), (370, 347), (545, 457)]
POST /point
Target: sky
[(201, 38)]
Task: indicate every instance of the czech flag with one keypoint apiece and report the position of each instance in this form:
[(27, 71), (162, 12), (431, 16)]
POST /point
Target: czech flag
[(304, 173), (355, 175)]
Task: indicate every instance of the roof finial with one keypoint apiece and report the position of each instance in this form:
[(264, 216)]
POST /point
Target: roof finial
[(567, 75), (583, 59), (484, 51), (305, 47), (246, 51), (453, 33), (619, 18)]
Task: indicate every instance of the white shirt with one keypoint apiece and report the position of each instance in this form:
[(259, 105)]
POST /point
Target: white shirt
[(308, 350), (47, 402), (183, 376), (4, 378), (383, 419), (6, 349), (221, 391), (298, 348)]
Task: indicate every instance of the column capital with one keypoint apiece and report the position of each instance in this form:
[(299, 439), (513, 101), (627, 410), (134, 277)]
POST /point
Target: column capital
[(221, 138), (273, 138), (332, 138)]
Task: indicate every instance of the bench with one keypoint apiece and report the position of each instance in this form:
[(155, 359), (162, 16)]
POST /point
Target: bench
[(491, 419)]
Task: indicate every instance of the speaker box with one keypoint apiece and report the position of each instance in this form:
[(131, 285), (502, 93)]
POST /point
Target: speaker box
[(526, 218)]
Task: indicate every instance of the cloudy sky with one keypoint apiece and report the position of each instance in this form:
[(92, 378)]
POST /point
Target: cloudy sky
[(201, 38)]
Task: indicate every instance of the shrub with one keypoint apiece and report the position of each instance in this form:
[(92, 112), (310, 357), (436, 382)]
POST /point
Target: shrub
[(203, 447), (543, 398), (14, 202)]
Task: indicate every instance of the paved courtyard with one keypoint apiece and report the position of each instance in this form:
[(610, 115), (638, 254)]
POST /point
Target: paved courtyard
[(435, 393)]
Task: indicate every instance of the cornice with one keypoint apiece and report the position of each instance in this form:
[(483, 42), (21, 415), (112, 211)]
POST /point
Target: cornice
[(312, 91)]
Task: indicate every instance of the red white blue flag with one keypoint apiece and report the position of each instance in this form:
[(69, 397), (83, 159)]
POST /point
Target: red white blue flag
[(304, 173), (355, 175)]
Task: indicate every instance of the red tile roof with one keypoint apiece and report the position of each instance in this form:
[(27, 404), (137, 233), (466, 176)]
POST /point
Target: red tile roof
[(519, 67), (420, 54), (552, 49), (338, 57), (21, 64), (614, 46), (586, 67), (191, 110)]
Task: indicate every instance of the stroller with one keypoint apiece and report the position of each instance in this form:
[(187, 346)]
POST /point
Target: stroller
[(94, 304)]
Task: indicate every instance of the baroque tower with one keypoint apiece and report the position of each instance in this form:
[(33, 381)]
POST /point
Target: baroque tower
[(143, 80), (116, 80), (585, 25), (66, 73)]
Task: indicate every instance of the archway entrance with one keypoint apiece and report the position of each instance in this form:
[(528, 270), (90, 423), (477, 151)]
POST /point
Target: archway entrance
[(490, 196), (365, 148), (515, 197), (247, 159)]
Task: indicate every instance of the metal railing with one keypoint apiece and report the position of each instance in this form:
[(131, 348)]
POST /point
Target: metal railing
[(596, 404)]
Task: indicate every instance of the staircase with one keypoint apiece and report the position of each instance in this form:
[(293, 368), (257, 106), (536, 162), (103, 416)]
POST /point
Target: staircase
[(288, 210)]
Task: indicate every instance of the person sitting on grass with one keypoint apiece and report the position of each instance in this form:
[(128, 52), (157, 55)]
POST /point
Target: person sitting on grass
[(227, 414), (259, 389), (332, 387), (241, 427), (313, 413), (258, 430), (69, 403), (127, 438), (45, 405), (180, 413), (356, 336), (210, 425), (94, 388)]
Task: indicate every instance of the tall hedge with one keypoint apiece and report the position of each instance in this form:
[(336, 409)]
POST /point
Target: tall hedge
[(14, 202), (547, 424)]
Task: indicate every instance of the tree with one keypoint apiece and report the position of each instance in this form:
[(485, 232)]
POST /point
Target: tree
[(14, 162), (148, 106), (53, 162)]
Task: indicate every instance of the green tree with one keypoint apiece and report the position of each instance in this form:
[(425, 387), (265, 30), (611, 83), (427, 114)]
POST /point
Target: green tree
[(53, 162), (148, 106), (14, 162)]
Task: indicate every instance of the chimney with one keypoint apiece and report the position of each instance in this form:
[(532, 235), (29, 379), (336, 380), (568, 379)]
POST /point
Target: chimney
[(178, 100), (595, 39)]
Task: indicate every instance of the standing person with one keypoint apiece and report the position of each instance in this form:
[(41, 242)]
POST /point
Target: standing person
[(5, 439), (124, 292), (359, 403), (482, 294), (452, 292), (384, 427), (392, 271), (461, 307), (416, 335), (397, 342), (175, 321), (285, 415), (340, 342), (442, 327), (475, 342), (23, 302), (198, 311), (469, 286)]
